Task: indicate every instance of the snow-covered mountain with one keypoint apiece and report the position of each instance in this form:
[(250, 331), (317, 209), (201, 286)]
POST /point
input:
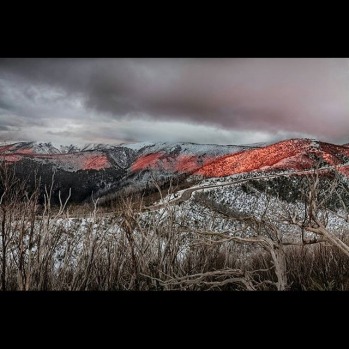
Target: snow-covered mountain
[(100, 169), (28, 148)]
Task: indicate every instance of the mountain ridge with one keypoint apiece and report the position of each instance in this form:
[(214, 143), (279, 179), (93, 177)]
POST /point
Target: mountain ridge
[(98, 169)]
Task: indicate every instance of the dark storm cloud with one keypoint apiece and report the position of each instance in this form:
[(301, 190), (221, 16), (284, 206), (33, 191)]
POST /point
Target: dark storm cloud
[(305, 96), (5, 128), (60, 133)]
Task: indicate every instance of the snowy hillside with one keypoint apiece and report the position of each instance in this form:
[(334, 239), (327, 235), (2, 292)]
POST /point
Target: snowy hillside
[(106, 169)]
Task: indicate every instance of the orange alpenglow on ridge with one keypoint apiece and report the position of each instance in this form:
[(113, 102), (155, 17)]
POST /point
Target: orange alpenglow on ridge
[(261, 158), (245, 161), (187, 163), (294, 154), (298, 154), (159, 161), (25, 151), (146, 161), (74, 161), (149, 161), (331, 154), (96, 162)]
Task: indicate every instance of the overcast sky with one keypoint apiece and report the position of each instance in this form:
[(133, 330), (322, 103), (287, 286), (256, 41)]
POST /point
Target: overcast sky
[(223, 101)]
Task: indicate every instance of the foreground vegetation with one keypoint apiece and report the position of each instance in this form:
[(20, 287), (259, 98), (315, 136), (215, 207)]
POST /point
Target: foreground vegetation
[(83, 248)]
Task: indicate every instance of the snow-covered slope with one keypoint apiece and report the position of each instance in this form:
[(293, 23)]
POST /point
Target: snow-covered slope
[(137, 165), (29, 148)]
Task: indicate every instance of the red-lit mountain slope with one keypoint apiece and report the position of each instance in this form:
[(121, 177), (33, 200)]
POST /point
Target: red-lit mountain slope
[(69, 162), (45, 153), (184, 158), (91, 170), (104, 169), (294, 154), (181, 157)]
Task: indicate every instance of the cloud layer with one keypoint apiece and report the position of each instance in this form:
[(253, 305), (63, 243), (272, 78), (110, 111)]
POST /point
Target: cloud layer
[(222, 101)]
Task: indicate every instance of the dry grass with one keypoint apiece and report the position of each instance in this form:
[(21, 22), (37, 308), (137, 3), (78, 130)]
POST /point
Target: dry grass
[(120, 251)]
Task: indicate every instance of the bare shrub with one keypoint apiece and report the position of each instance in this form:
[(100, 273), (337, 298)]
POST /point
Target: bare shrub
[(68, 247)]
